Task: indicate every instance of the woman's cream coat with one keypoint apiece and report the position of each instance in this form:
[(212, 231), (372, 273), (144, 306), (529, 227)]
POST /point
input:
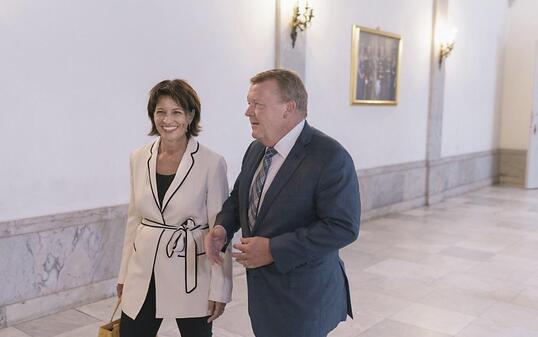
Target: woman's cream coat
[(168, 239)]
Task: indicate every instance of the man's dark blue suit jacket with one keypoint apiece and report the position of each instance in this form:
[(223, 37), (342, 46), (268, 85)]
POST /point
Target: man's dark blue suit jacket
[(309, 212)]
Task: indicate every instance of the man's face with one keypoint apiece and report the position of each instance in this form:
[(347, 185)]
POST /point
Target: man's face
[(266, 112)]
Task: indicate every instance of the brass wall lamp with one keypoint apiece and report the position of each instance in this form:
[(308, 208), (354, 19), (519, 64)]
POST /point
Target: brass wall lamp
[(446, 45), (302, 16)]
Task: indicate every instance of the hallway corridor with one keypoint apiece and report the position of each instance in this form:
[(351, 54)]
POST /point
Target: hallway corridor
[(466, 267)]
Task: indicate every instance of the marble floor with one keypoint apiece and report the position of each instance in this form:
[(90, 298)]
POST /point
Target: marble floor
[(467, 267)]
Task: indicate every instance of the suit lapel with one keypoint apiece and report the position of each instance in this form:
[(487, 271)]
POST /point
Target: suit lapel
[(152, 169), (292, 162), (183, 170), (252, 162)]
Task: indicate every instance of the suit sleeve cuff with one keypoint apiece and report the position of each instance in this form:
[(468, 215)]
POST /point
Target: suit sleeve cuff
[(281, 261)]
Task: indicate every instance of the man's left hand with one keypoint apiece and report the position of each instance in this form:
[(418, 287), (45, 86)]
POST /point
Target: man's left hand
[(255, 252)]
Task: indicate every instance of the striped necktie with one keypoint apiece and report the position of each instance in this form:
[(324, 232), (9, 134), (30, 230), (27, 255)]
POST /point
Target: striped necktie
[(257, 186)]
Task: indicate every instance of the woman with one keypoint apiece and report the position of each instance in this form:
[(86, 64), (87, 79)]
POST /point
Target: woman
[(177, 188)]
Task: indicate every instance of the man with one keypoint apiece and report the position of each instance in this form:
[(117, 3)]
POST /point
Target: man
[(297, 203)]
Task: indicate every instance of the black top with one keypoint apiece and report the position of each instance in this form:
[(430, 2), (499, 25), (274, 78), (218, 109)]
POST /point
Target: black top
[(163, 182)]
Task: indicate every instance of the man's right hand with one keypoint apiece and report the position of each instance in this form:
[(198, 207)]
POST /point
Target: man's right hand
[(213, 243), (119, 289)]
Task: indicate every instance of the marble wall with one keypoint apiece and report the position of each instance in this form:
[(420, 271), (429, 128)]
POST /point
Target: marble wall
[(54, 262)]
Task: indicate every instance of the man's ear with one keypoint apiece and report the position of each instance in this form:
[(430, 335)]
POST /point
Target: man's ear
[(291, 107)]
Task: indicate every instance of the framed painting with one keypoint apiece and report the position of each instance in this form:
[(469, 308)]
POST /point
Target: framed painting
[(375, 66)]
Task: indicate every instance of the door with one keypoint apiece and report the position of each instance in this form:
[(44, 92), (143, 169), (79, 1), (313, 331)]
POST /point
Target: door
[(531, 179)]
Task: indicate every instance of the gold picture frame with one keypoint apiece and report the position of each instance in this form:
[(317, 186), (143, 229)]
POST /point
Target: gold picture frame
[(375, 66)]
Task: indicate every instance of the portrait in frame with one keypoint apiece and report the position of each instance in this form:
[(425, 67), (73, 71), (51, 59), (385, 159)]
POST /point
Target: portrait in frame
[(375, 66)]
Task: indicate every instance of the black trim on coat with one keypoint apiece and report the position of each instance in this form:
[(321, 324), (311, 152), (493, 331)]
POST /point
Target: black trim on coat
[(182, 181), (195, 269), (149, 175), (156, 224)]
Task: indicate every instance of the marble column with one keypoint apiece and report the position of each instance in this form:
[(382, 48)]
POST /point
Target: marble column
[(435, 115), (288, 56)]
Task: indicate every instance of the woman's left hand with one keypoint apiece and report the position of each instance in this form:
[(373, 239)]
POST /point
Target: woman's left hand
[(215, 310)]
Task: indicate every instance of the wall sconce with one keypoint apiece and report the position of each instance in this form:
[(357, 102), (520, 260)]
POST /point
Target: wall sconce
[(447, 41), (302, 16)]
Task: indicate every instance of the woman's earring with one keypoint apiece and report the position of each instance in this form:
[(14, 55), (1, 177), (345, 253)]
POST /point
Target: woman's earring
[(188, 127)]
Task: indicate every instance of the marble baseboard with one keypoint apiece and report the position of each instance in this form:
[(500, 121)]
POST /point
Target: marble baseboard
[(436, 198), (47, 262), (399, 187), (55, 221), (3, 318), (512, 166), (384, 187), (45, 305), (53, 261), (454, 175)]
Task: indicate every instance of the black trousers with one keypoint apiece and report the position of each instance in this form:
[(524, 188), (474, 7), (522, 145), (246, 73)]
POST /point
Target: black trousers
[(146, 325)]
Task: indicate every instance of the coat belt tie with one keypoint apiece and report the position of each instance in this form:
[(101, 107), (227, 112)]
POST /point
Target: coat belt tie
[(184, 242)]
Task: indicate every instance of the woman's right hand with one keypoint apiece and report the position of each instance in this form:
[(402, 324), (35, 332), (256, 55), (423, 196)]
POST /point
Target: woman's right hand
[(119, 289)]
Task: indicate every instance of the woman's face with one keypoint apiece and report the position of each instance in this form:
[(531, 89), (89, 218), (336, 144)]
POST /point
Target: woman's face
[(171, 119)]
